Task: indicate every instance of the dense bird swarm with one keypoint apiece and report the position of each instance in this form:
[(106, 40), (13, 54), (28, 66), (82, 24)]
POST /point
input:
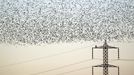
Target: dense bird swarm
[(50, 21)]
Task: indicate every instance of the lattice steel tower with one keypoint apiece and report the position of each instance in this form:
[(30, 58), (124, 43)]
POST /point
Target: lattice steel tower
[(105, 64)]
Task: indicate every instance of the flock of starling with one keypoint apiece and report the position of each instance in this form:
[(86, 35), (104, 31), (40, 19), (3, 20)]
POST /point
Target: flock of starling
[(53, 21)]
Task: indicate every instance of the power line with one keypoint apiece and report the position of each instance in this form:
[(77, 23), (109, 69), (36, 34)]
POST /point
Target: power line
[(74, 70), (83, 61), (64, 66), (44, 57), (83, 68), (126, 60), (90, 66)]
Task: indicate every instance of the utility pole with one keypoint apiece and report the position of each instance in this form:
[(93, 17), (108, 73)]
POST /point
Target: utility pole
[(105, 64)]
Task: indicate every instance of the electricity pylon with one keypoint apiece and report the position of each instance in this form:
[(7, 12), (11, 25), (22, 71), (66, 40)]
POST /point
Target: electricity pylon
[(105, 64)]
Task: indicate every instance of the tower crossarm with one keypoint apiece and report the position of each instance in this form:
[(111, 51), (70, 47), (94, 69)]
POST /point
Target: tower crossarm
[(101, 48), (105, 65)]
